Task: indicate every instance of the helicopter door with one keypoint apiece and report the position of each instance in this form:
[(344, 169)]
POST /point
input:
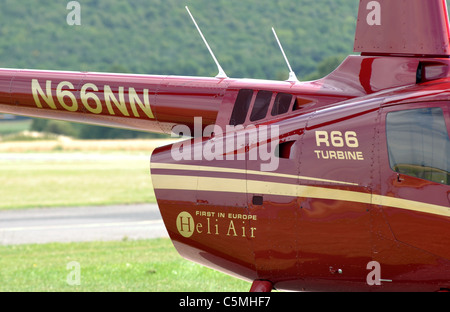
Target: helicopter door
[(415, 174)]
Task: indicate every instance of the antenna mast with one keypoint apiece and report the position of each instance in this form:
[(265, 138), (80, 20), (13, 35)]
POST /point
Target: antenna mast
[(221, 73), (292, 76)]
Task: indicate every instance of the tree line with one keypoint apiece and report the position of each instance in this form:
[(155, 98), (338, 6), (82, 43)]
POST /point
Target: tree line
[(158, 37)]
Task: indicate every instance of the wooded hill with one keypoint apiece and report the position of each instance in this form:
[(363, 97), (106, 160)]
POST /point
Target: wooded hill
[(158, 36)]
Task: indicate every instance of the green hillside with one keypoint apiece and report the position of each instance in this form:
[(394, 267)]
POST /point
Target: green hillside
[(158, 37)]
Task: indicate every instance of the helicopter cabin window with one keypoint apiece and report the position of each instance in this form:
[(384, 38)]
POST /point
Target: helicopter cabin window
[(241, 107), (418, 144), (302, 103), (281, 104), (261, 105)]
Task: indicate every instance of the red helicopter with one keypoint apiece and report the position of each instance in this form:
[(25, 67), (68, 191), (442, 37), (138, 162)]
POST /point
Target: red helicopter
[(338, 184)]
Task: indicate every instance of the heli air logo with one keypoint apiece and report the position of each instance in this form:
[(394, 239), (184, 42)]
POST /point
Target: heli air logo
[(216, 223), (374, 16), (185, 224)]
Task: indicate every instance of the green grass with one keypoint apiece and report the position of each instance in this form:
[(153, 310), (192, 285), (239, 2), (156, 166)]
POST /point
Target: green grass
[(146, 265), (14, 126), (137, 266), (26, 184)]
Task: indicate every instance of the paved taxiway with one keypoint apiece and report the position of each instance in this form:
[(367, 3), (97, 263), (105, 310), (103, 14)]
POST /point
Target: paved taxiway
[(80, 224)]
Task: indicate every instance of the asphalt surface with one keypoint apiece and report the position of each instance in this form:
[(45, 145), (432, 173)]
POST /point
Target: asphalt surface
[(81, 224)]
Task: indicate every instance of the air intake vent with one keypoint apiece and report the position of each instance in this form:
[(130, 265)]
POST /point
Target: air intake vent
[(428, 71)]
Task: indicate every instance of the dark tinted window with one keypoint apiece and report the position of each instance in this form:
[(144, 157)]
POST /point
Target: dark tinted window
[(261, 105), (281, 104), (301, 103), (241, 106), (418, 144)]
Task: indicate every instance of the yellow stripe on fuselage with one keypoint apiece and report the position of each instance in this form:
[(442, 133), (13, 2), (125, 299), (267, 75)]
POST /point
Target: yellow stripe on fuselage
[(410, 205), (231, 185), (242, 171)]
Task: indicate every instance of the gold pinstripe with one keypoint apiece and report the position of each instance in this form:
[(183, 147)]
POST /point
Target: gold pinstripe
[(229, 185), (242, 171)]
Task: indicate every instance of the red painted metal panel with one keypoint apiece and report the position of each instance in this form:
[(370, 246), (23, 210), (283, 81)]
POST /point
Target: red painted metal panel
[(407, 27), (306, 200)]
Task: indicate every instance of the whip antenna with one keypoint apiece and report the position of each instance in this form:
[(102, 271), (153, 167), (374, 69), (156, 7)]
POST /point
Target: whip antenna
[(221, 73), (292, 76)]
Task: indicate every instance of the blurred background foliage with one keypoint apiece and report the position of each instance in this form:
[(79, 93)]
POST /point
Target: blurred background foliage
[(158, 37)]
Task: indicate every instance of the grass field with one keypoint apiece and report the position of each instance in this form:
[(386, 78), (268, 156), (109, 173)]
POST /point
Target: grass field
[(43, 183), (67, 181), (137, 266), (64, 144), (146, 265), (14, 126)]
